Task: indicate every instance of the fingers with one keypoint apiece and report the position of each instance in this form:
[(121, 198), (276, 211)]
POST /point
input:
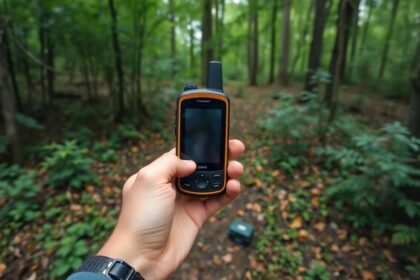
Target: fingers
[(236, 148), (233, 188), (235, 169), (166, 167)]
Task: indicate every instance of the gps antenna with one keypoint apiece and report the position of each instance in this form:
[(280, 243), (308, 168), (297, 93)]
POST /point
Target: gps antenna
[(214, 76)]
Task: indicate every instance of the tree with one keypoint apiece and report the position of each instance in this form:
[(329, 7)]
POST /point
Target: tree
[(118, 60), (384, 56), (172, 24), (219, 28), (413, 119), (345, 14), (7, 100), (285, 40), (316, 44), (369, 6), (206, 40), (253, 42), (273, 23)]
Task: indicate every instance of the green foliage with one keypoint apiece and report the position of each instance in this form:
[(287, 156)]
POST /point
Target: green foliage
[(291, 130), (317, 272), (28, 121), (82, 135), (19, 188), (102, 152), (68, 164), (124, 132), (378, 178)]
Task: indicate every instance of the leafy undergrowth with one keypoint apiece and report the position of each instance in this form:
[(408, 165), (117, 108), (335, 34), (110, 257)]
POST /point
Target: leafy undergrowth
[(53, 219)]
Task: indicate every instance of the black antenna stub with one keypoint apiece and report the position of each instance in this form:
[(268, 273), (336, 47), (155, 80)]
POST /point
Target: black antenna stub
[(214, 76)]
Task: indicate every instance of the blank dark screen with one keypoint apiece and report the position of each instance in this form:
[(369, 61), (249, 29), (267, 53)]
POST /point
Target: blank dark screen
[(203, 130)]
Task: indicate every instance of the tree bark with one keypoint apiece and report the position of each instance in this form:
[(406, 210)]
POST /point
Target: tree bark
[(366, 27), (219, 28), (173, 35), (273, 40), (206, 40), (192, 56), (346, 10), (384, 57), (27, 71), (284, 56), (413, 119), (41, 36), (253, 42), (8, 103), (50, 72), (315, 52), (12, 73), (354, 31), (118, 61)]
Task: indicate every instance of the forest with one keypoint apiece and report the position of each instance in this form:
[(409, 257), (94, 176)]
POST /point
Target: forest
[(325, 94)]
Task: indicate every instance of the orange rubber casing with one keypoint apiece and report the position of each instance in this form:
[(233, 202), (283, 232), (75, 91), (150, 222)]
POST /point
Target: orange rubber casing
[(208, 94)]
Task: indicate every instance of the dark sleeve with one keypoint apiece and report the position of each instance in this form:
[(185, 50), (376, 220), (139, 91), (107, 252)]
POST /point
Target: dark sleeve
[(87, 276)]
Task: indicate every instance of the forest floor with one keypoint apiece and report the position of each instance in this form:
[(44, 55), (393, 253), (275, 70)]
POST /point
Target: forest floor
[(306, 236)]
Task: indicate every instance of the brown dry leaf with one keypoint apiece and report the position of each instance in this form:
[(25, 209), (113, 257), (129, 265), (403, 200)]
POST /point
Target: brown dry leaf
[(258, 183), (296, 223), (240, 213), (134, 149), (335, 248), (284, 204), (363, 241), (227, 258), (315, 192), (3, 267), (248, 206), (259, 168), (284, 215), (301, 269), (248, 275), (76, 207), (315, 202), (347, 248), (388, 255), (32, 277), (317, 252), (217, 260), (342, 234), (90, 188), (319, 226), (367, 275), (275, 173), (302, 235), (256, 207)]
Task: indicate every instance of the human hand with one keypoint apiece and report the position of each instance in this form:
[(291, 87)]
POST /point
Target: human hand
[(157, 227)]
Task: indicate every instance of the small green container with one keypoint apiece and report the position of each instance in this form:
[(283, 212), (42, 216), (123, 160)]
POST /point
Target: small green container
[(241, 232)]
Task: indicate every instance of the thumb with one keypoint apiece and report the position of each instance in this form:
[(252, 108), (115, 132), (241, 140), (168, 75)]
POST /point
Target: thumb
[(168, 167)]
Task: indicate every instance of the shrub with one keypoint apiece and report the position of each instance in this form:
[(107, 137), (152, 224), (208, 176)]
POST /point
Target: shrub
[(378, 180), (102, 152), (124, 133), (18, 188), (68, 164)]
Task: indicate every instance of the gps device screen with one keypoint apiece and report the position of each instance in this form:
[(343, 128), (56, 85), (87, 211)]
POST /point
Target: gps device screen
[(204, 128)]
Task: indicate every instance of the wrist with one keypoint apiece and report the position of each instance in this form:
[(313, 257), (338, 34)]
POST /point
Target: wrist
[(122, 247)]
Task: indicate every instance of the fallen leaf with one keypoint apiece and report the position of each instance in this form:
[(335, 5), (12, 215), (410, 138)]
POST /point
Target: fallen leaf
[(134, 149), (32, 277), (240, 213), (301, 269), (342, 234), (248, 275), (302, 235), (3, 267), (256, 207), (227, 258), (347, 248), (217, 260), (315, 202), (319, 226), (317, 252), (297, 223), (335, 248), (315, 192), (388, 255), (363, 241), (367, 275), (90, 188), (76, 207)]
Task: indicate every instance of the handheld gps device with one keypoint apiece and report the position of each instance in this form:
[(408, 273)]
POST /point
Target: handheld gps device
[(202, 133)]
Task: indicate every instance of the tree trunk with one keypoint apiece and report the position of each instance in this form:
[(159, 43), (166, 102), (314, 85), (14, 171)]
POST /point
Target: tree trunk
[(284, 56), (27, 71), (273, 41), (388, 38), (354, 31), (118, 60), (346, 10), (315, 52), (413, 119), (7, 100), (206, 40), (253, 42), (192, 56), (173, 35), (219, 30), (366, 27), (12, 73), (41, 35), (50, 72)]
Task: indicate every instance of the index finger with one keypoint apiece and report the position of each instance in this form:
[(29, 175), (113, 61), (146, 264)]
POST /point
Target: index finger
[(236, 148)]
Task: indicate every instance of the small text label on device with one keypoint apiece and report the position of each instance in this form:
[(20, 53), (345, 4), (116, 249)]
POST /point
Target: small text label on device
[(202, 167)]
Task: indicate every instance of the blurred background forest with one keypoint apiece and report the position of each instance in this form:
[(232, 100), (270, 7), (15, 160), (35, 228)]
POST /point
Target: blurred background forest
[(325, 94)]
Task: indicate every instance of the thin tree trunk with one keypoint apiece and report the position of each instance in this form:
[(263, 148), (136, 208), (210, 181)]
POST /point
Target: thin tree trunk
[(118, 60), (273, 40), (12, 73), (315, 52), (41, 35), (50, 63), (27, 71), (284, 56), (7, 100), (413, 119), (219, 30), (173, 35), (366, 28), (355, 31), (388, 38), (253, 42), (206, 40), (346, 10), (192, 56)]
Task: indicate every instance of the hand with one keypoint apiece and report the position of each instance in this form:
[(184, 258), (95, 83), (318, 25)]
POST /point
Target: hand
[(157, 227)]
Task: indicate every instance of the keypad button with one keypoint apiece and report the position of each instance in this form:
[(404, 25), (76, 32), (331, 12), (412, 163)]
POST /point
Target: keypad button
[(217, 176), (202, 185), (216, 185), (186, 185), (202, 176)]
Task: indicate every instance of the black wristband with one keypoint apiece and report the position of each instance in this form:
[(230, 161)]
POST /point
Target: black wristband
[(115, 269)]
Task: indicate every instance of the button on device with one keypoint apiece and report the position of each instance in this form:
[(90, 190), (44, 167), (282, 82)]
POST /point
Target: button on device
[(201, 176), (186, 185), (217, 176), (202, 185), (216, 185)]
